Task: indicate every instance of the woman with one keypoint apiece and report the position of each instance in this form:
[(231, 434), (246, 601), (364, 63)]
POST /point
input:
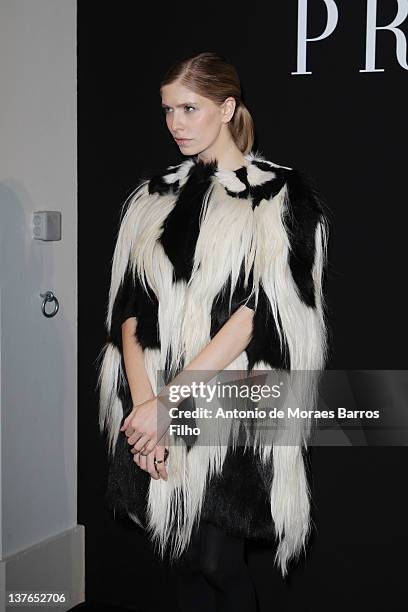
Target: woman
[(218, 267)]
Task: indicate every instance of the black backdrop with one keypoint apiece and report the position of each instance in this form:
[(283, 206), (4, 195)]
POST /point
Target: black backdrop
[(348, 130)]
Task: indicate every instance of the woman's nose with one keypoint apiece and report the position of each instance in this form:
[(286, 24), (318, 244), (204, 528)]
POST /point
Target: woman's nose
[(176, 123)]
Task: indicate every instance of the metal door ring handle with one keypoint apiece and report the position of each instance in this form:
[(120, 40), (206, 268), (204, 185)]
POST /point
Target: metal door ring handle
[(49, 297)]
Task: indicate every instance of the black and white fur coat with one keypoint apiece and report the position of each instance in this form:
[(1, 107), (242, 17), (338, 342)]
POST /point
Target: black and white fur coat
[(195, 243)]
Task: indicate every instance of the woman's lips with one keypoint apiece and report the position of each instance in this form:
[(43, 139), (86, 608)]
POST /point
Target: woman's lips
[(183, 141)]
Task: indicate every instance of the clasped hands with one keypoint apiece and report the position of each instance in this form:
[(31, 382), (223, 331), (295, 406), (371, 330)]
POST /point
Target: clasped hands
[(145, 427)]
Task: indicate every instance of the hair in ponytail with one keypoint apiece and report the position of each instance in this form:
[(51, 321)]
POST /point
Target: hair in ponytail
[(212, 76)]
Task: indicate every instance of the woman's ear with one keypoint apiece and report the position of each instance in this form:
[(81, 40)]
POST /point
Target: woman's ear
[(228, 109)]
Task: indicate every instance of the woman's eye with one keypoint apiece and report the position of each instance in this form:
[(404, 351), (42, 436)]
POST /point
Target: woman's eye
[(166, 110)]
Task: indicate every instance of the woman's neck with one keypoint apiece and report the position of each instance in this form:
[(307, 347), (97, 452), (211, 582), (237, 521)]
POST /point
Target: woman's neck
[(228, 157)]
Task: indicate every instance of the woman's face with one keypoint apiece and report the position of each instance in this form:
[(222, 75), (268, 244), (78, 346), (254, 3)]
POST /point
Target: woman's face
[(194, 121)]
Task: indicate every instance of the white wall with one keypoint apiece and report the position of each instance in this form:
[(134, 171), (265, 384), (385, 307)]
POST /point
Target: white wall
[(38, 404)]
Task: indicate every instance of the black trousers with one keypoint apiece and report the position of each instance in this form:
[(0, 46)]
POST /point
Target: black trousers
[(212, 575)]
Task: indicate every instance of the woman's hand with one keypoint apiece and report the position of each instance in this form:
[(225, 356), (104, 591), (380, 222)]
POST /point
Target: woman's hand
[(125, 427), (147, 462), (146, 425)]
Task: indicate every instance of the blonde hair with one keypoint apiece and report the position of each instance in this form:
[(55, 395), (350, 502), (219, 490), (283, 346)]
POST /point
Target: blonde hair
[(210, 75)]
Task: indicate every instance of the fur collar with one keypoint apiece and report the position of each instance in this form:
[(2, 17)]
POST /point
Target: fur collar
[(257, 179)]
